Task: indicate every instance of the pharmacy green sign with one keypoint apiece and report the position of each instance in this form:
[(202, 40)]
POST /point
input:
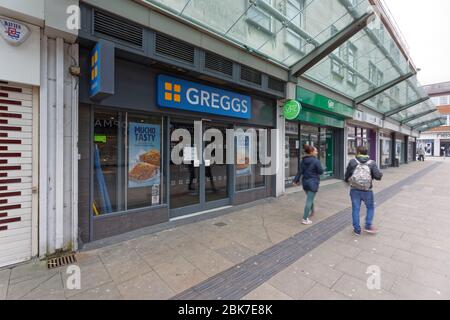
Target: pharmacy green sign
[(292, 109)]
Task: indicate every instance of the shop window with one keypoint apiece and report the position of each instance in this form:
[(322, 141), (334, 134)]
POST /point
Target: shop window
[(351, 141), (292, 151), (127, 162), (248, 174), (260, 18)]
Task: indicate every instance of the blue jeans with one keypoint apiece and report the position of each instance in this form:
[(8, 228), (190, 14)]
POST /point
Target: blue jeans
[(367, 197), (309, 206)]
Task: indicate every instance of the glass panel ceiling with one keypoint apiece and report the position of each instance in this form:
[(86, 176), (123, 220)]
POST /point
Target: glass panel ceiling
[(418, 109), (285, 31), (431, 125), (425, 119), (398, 96)]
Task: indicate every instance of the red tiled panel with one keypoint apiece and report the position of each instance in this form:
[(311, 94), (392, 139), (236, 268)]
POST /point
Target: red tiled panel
[(11, 128), (10, 181), (3, 161), (12, 207), (10, 89), (3, 95), (4, 148), (4, 201), (10, 155), (3, 135), (3, 175), (14, 103), (2, 121), (11, 194), (12, 220), (11, 115), (3, 141), (3, 108), (4, 188), (3, 228), (12, 168), (3, 214)]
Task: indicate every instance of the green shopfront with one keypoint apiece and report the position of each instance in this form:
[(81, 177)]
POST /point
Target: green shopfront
[(320, 123)]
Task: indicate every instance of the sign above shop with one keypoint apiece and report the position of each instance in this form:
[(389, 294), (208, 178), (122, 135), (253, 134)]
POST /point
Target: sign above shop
[(323, 103), (14, 32), (292, 109), (370, 118), (180, 94), (102, 77)]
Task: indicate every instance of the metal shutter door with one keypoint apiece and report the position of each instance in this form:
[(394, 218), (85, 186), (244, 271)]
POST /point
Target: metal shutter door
[(16, 149)]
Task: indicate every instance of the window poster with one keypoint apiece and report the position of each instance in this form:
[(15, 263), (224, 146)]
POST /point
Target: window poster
[(144, 156), (243, 146)]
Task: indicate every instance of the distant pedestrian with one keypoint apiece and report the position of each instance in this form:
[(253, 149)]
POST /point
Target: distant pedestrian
[(421, 154), (360, 175), (310, 170)]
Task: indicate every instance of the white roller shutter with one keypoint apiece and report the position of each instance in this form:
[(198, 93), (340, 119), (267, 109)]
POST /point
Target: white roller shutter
[(16, 173)]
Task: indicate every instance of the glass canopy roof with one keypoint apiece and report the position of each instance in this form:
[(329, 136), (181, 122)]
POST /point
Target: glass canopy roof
[(286, 31), (433, 124)]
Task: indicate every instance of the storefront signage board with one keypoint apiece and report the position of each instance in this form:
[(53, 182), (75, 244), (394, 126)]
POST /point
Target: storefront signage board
[(13, 32), (174, 93), (306, 97), (292, 109), (102, 71), (311, 116)]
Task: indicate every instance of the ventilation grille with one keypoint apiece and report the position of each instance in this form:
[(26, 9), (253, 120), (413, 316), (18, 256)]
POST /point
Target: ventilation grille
[(217, 63), (251, 75), (276, 85), (112, 27), (173, 48), (61, 261)]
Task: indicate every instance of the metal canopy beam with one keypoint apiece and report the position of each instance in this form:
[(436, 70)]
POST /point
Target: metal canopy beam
[(417, 116), (424, 123), (405, 107), (325, 49), (369, 95)]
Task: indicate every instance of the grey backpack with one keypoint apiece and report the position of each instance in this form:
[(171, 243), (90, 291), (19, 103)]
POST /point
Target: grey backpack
[(362, 177)]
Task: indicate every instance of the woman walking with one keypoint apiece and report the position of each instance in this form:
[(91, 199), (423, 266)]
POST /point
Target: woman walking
[(310, 169)]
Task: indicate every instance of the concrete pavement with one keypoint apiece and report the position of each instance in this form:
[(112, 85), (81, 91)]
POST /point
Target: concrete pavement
[(246, 253)]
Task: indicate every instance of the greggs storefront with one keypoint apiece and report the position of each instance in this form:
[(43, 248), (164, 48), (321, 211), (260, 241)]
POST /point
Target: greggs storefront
[(150, 140)]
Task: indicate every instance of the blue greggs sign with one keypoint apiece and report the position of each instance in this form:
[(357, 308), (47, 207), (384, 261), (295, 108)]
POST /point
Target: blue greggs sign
[(180, 94), (95, 68), (102, 67)]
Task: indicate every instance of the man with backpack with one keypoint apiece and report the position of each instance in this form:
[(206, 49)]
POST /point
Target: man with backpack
[(360, 174)]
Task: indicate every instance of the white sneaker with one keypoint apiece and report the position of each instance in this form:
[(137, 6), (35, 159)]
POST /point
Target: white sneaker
[(307, 222)]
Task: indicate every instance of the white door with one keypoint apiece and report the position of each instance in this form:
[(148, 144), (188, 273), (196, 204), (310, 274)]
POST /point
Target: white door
[(16, 173)]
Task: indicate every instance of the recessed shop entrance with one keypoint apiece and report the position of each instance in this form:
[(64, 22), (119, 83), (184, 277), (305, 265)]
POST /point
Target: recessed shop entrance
[(199, 174)]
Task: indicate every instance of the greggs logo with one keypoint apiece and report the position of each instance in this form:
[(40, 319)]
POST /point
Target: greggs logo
[(172, 92), (190, 96)]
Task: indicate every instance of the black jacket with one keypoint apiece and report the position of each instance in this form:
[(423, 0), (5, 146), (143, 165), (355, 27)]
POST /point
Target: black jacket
[(376, 173), (310, 169)]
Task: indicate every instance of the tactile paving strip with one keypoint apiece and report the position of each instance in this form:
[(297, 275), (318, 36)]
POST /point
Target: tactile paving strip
[(240, 280)]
